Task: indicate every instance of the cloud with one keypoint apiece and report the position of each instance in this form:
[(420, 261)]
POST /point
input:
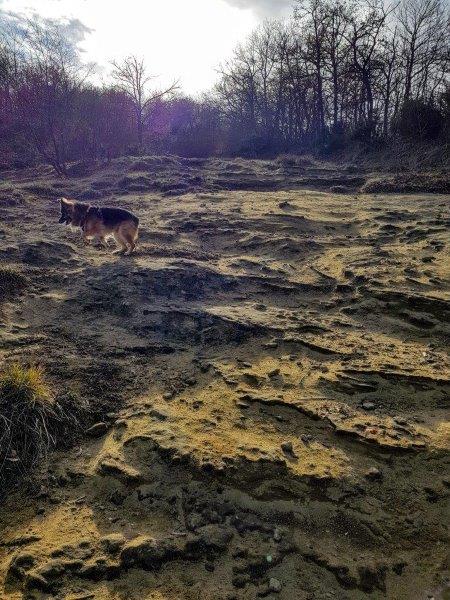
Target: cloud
[(264, 8), (72, 30)]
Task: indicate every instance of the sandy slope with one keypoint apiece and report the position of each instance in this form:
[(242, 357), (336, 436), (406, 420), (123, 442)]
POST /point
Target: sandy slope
[(274, 370)]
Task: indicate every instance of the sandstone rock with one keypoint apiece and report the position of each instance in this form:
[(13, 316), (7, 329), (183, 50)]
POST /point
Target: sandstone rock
[(277, 534), (210, 538), (20, 564), (148, 553), (36, 581), (287, 448), (114, 468), (374, 474), (368, 405), (97, 430), (99, 568), (274, 585), (112, 543)]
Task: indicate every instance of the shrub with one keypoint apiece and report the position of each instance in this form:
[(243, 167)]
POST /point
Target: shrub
[(418, 121), (31, 421), (81, 168)]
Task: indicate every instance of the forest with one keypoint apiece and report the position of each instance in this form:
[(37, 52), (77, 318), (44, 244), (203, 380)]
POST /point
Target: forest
[(334, 75)]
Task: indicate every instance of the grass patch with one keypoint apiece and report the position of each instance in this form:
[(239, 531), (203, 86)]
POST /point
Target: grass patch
[(31, 421)]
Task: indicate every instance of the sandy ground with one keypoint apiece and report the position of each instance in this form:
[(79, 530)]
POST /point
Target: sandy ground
[(271, 373)]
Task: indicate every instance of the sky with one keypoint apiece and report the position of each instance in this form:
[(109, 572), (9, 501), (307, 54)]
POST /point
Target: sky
[(183, 40)]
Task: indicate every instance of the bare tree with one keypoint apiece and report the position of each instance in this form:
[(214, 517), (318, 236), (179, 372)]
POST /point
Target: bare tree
[(424, 30), (133, 79)]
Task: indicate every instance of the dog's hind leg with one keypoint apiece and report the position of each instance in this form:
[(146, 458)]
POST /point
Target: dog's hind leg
[(129, 233), (121, 242)]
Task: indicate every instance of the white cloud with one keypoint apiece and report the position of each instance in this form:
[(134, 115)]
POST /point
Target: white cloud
[(265, 8), (179, 39)]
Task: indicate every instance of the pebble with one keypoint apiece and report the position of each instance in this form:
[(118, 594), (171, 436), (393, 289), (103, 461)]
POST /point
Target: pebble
[(274, 585), (277, 535), (374, 474), (368, 405), (168, 395)]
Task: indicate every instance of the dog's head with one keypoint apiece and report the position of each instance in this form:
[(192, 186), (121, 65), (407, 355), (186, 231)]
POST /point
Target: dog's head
[(73, 213), (66, 211)]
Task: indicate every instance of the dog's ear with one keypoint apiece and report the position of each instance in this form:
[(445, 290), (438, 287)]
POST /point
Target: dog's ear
[(66, 211)]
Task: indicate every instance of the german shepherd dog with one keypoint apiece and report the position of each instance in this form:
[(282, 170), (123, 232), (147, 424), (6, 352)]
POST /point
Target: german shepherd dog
[(101, 222)]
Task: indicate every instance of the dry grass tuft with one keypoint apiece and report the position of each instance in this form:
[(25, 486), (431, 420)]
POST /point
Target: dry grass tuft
[(31, 421)]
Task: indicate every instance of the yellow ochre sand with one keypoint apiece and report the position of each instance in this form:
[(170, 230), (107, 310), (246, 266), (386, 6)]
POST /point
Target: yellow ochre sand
[(274, 369)]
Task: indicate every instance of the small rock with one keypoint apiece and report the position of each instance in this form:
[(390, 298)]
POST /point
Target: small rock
[(277, 535), (287, 448), (97, 430), (168, 395), (368, 405), (273, 373), (374, 474), (121, 471), (274, 585)]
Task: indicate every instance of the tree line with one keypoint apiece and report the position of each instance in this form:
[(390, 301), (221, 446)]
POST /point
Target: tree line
[(336, 73)]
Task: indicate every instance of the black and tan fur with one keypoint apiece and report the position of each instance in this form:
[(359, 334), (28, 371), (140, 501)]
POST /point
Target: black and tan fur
[(101, 222)]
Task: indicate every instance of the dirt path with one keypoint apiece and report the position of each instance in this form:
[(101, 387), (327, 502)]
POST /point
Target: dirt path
[(272, 375)]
